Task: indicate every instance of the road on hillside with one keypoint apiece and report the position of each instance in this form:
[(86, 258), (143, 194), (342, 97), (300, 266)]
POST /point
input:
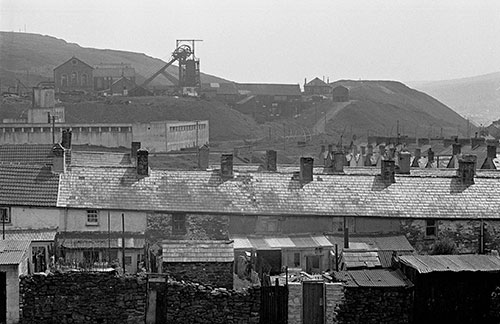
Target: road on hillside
[(320, 126)]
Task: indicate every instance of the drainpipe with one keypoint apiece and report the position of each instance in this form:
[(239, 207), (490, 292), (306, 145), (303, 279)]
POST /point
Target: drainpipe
[(481, 238)]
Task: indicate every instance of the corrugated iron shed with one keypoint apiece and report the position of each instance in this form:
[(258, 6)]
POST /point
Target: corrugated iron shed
[(197, 251), (281, 242), (32, 235), (451, 263), (373, 278), (361, 259), (13, 252)]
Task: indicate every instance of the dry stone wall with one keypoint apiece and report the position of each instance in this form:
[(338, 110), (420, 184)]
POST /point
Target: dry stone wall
[(195, 303), (82, 297), (215, 274)]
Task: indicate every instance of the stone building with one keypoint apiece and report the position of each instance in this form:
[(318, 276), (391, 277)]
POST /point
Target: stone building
[(73, 75), (105, 75), (317, 87), (340, 94)]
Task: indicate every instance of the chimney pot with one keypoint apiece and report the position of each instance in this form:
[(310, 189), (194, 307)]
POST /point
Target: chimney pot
[(271, 158), (142, 162), (66, 139), (306, 169), (387, 171), (226, 165), (467, 169)]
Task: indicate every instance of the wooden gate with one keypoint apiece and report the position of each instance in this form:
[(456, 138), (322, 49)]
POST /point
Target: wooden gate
[(313, 302), (274, 304), (156, 307)]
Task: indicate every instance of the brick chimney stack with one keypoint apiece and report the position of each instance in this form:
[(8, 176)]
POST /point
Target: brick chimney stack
[(271, 158), (142, 162), (66, 139), (430, 158), (58, 159), (387, 171), (226, 165), (488, 163), (418, 154), (467, 169), (306, 169), (338, 162), (203, 157), (404, 162)]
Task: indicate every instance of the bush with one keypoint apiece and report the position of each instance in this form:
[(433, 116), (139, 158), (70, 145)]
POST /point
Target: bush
[(445, 246)]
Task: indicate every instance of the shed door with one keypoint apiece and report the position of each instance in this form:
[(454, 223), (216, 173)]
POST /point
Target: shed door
[(3, 297), (313, 302)]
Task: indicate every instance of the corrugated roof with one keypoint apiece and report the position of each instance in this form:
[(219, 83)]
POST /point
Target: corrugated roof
[(32, 235), (269, 89), (373, 278), (13, 252), (270, 193), (28, 185), (270, 242), (360, 259), (451, 263), (197, 251), (373, 242)]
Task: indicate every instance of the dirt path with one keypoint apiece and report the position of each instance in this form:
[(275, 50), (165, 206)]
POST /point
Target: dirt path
[(319, 127)]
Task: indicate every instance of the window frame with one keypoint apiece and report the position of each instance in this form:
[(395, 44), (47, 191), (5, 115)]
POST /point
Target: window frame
[(431, 228), (7, 214), (179, 223), (92, 213)]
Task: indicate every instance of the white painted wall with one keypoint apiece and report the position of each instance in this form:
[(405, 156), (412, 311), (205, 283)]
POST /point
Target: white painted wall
[(75, 220), (34, 218)]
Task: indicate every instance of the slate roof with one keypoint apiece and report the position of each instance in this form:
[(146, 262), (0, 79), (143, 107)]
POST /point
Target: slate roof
[(451, 263), (26, 153), (28, 185), (267, 193), (373, 278), (197, 251), (270, 89), (87, 158), (12, 252), (221, 88)]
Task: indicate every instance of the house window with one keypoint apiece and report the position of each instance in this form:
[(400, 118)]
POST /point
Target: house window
[(179, 223), (5, 215), (92, 217), (296, 259), (74, 78), (84, 79), (91, 256), (64, 80), (430, 227)]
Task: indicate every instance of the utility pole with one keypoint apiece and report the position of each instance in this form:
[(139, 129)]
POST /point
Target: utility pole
[(53, 120), (284, 138), (123, 242)]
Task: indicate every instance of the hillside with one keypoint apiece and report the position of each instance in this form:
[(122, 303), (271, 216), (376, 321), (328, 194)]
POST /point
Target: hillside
[(225, 123), (377, 106), (477, 98), (32, 57)]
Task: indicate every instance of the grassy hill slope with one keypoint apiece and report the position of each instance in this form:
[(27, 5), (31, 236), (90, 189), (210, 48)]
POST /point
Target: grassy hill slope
[(32, 58)]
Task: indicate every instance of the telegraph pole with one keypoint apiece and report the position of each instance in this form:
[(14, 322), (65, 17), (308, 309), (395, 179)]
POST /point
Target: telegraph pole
[(53, 120), (123, 242)]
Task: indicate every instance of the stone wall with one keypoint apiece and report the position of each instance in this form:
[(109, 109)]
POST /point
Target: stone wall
[(197, 227), (195, 303), (215, 274), (83, 297), (294, 303), (334, 297), (381, 305)]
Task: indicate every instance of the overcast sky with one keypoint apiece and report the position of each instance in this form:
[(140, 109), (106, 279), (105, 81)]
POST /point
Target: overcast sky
[(284, 40)]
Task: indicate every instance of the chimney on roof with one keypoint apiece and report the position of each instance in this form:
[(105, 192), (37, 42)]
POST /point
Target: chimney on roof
[(387, 171), (418, 154), (203, 157), (66, 139), (404, 162), (306, 169), (338, 162), (457, 149), (322, 154), (491, 154), (430, 158), (58, 159), (142, 162), (271, 157), (467, 169), (133, 152), (226, 165), (369, 154)]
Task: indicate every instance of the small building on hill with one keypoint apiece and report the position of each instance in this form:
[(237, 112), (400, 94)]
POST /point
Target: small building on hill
[(105, 75), (340, 94), (122, 87), (73, 75), (317, 87)]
